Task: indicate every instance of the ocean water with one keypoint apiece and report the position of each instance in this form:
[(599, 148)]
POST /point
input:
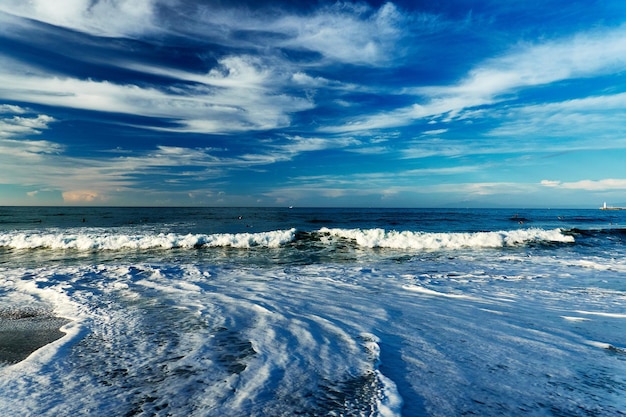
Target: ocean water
[(315, 312)]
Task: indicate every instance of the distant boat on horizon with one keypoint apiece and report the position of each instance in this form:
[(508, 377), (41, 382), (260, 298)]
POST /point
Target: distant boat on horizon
[(605, 207)]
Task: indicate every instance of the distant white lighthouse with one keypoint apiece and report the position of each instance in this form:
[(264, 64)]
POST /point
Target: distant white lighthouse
[(605, 207)]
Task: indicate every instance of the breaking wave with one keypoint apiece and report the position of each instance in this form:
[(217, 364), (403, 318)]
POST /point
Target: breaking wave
[(380, 238), (96, 240)]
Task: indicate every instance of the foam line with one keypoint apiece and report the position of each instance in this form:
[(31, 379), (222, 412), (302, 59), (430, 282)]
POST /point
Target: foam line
[(426, 291), (99, 240), (602, 314), (380, 238)]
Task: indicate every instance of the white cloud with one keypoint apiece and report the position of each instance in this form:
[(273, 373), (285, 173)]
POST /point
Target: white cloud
[(302, 79), (395, 118), (299, 144), (343, 31), (10, 108), (305, 80), (44, 165), (381, 187), (343, 103), (592, 118), (451, 148), (435, 132), (98, 17), (83, 196), (18, 126), (478, 189), (346, 32), (583, 55), (454, 170), (588, 185), (14, 133), (550, 183), (587, 54), (370, 150), (407, 181), (241, 94), (29, 150)]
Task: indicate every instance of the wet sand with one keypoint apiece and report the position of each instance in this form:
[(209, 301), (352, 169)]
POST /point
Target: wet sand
[(24, 330)]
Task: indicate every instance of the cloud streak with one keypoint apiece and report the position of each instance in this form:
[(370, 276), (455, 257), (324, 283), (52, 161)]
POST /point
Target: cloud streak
[(18, 126), (231, 99), (588, 185), (45, 165), (499, 79), (102, 18)]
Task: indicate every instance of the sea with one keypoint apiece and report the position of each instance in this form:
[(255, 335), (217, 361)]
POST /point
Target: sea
[(314, 312)]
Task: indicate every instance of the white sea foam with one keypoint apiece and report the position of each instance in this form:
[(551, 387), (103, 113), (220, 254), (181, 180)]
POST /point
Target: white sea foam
[(426, 291), (380, 238), (606, 264), (389, 401), (154, 326), (574, 319), (103, 240), (607, 346), (317, 339), (602, 314)]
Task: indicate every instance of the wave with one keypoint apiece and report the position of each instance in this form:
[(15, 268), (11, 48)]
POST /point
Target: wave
[(380, 238), (95, 240)]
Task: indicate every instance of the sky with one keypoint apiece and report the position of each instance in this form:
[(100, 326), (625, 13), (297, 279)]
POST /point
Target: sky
[(449, 103)]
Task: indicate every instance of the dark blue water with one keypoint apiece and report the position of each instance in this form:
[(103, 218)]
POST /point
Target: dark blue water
[(234, 220)]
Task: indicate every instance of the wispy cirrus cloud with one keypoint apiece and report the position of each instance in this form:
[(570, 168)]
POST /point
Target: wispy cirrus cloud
[(592, 122), (238, 95), (498, 79), (241, 93), (45, 165), (18, 126), (15, 132), (102, 18), (256, 88), (381, 189), (588, 185), (298, 144), (345, 32)]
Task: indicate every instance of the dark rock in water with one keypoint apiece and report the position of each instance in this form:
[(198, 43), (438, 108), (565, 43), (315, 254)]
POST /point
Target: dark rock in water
[(23, 331)]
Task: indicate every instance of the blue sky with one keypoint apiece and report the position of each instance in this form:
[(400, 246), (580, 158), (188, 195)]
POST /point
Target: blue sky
[(454, 103)]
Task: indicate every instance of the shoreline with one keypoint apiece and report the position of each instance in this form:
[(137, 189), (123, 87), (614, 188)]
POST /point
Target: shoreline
[(23, 331)]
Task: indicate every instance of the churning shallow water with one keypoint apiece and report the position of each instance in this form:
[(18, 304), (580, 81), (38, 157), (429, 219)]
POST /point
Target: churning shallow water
[(316, 312)]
